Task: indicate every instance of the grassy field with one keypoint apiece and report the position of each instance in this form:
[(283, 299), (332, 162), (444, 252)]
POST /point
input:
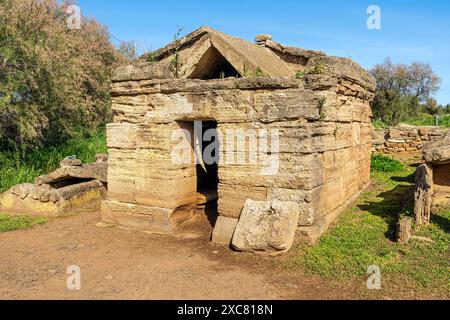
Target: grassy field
[(16, 168), (429, 120), (421, 120), (363, 236)]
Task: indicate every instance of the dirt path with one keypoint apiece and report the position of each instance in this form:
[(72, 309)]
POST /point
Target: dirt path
[(119, 264)]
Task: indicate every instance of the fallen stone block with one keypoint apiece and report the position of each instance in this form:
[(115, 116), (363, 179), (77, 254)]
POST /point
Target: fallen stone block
[(266, 226), (98, 170)]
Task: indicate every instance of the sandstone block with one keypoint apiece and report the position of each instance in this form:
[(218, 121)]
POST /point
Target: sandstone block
[(122, 135), (423, 195), (142, 218), (224, 230), (404, 230), (232, 198), (266, 227), (71, 163), (96, 170), (286, 105), (394, 134)]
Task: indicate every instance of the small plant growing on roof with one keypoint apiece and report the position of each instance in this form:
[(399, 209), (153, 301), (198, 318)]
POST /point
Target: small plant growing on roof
[(256, 73), (151, 57), (322, 104), (176, 64), (318, 68), (300, 74)]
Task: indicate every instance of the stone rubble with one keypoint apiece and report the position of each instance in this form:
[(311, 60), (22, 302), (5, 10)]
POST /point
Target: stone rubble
[(405, 139)]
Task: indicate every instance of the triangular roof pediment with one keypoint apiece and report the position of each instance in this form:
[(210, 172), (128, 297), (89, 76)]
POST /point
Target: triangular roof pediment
[(202, 49)]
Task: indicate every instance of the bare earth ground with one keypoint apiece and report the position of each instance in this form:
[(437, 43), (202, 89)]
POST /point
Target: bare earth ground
[(120, 264)]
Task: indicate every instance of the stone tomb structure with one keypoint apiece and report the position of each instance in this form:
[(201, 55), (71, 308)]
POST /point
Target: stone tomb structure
[(291, 130)]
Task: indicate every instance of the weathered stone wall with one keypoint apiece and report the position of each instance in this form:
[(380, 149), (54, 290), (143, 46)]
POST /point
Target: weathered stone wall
[(324, 145), (405, 139)]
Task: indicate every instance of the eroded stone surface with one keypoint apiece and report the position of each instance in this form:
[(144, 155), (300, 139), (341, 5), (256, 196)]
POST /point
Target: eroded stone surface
[(224, 230), (404, 230), (423, 194), (266, 226), (433, 179), (438, 151), (96, 171)]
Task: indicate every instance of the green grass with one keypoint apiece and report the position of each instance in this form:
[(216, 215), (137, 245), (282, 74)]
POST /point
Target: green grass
[(382, 163), (425, 119), (12, 223), (421, 120), (378, 124), (364, 234), (16, 169)]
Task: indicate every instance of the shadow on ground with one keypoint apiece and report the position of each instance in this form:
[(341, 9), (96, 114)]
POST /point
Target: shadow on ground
[(442, 222), (399, 200)]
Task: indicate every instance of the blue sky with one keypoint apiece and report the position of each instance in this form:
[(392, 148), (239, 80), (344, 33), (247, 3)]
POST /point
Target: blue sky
[(411, 30)]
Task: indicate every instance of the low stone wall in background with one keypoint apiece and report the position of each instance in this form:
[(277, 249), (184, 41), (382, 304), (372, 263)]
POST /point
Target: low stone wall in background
[(405, 139)]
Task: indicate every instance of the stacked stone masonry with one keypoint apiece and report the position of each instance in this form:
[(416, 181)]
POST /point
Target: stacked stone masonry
[(405, 139), (323, 122)]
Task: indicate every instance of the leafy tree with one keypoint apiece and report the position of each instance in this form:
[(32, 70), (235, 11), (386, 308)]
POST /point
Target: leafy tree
[(402, 89), (54, 81), (431, 106), (447, 108)]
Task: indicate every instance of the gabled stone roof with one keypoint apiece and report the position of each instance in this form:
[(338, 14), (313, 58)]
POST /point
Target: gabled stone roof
[(207, 54), (245, 57)]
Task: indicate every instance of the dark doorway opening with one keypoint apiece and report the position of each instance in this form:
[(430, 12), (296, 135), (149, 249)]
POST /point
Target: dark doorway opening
[(208, 169)]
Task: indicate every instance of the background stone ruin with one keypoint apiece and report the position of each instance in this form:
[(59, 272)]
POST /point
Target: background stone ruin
[(405, 139), (72, 187), (319, 105)]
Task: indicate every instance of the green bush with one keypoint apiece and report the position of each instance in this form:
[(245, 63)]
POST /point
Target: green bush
[(54, 81), (382, 163)]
